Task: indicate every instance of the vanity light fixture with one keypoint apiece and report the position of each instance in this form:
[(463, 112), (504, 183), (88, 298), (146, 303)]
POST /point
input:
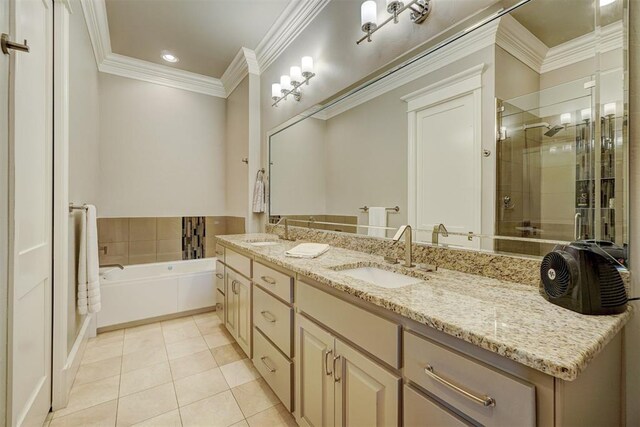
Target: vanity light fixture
[(610, 109), (585, 114), (290, 84), (565, 119), (420, 10), (169, 57)]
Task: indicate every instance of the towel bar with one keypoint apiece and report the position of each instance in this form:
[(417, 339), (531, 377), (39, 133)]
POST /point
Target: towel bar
[(395, 209), (73, 207)]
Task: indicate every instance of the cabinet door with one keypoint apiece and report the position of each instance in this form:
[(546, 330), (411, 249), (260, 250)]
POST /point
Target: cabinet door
[(314, 375), (231, 302), (366, 393), (243, 306)]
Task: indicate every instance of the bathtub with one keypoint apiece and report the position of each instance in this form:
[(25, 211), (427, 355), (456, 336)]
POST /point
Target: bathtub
[(146, 291)]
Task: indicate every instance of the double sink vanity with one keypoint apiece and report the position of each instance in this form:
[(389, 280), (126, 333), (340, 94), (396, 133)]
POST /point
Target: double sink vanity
[(348, 339)]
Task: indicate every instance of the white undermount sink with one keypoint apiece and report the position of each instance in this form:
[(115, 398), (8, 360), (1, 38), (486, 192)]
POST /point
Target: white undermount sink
[(382, 278)]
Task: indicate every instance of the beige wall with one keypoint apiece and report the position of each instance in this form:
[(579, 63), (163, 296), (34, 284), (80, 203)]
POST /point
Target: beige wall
[(237, 148), (161, 150), (84, 141)]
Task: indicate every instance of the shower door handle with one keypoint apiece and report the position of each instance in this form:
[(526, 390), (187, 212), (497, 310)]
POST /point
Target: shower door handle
[(577, 225)]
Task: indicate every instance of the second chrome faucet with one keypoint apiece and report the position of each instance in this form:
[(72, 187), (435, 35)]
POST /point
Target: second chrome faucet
[(408, 241)]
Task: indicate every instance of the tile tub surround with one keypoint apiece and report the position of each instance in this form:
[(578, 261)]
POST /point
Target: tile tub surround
[(130, 241), (507, 318), (503, 267)]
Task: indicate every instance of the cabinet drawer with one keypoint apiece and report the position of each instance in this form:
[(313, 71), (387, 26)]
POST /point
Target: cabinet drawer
[(274, 281), (274, 368), (220, 252), (220, 306), (273, 318), (456, 379), (421, 411), (376, 335), (238, 262), (220, 276)]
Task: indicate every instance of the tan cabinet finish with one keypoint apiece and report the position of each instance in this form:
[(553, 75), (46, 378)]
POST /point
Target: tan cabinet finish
[(314, 382), (461, 382), (366, 393), (220, 252), (420, 411), (274, 368), (274, 319), (220, 306), (220, 276), (374, 334), (279, 284), (238, 307), (238, 262)]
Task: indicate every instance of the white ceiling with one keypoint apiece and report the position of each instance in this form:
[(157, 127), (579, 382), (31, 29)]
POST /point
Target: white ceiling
[(204, 34)]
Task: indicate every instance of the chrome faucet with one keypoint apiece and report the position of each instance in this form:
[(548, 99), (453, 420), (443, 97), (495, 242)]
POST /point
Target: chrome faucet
[(437, 230), (406, 230), (120, 266), (285, 220)]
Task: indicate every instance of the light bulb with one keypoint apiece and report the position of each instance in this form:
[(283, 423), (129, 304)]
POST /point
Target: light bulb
[(276, 91), (285, 83), (296, 74), (368, 13), (169, 57), (565, 118)]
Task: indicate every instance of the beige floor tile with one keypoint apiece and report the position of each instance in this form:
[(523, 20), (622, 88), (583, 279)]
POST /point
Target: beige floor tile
[(192, 364), (129, 332), (199, 386), (220, 410), (111, 337), (254, 396), (142, 379), (142, 340), (101, 352), (102, 415), (228, 353), (186, 347), (240, 372), (180, 333), (205, 317), (210, 326), (278, 416), (176, 323), (90, 394), (218, 337), (143, 358), (146, 404), (98, 370), (169, 419), (242, 423)]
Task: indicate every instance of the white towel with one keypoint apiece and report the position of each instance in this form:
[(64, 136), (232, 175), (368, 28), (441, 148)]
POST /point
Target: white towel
[(88, 264), (307, 250), (258, 194), (378, 218)]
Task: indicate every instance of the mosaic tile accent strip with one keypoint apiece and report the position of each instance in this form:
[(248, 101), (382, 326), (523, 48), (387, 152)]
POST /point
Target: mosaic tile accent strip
[(193, 237)]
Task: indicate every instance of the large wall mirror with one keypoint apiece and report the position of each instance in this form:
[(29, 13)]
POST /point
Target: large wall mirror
[(515, 132)]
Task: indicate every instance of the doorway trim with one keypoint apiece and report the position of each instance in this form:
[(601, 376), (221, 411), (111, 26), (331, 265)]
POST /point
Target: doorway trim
[(461, 84)]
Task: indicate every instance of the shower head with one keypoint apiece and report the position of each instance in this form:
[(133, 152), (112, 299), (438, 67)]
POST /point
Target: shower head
[(551, 132)]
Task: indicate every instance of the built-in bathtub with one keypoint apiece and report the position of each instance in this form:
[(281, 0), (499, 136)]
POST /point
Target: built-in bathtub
[(148, 291)]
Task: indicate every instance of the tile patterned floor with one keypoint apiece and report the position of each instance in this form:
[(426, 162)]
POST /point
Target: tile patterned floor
[(181, 372)]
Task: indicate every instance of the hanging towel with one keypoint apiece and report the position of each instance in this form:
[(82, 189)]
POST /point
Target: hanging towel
[(378, 218), (258, 193), (307, 250), (88, 264)]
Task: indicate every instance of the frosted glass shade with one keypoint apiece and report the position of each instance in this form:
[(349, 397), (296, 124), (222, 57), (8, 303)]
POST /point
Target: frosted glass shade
[(276, 90), (368, 13), (296, 74), (307, 64), (610, 109), (285, 82), (565, 118)]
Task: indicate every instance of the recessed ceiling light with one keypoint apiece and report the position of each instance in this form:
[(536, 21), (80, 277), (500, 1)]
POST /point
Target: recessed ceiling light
[(169, 57), (606, 2)]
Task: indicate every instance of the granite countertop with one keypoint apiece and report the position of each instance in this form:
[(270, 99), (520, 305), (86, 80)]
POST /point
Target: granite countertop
[(510, 319)]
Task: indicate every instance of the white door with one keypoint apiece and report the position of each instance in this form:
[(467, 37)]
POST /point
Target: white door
[(30, 214), (448, 161)]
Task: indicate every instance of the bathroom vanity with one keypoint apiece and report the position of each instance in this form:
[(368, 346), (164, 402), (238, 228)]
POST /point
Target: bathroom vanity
[(449, 348)]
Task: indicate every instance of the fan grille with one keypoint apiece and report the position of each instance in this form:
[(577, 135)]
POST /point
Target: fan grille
[(556, 274), (612, 290)]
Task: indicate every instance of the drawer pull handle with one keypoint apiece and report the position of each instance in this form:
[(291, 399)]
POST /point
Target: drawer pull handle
[(219, 276), (219, 252), (335, 371), (269, 280), (264, 360), (481, 400), (269, 316), (326, 363), (233, 287)]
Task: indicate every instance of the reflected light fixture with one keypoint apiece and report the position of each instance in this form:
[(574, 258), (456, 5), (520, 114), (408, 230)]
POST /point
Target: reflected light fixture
[(290, 84), (565, 119), (419, 9), (610, 109), (606, 2), (585, 114), (169, 57)]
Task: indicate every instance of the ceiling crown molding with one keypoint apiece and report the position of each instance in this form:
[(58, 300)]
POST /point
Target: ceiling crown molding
[(291, 22), (95, 13), (514, 38), (244, 62)]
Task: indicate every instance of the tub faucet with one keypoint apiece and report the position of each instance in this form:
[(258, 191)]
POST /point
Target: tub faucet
[(435, 234), (120, 266), (406, 230)]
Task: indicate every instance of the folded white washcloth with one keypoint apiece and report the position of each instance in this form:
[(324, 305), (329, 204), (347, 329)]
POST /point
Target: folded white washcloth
[(307, 250)]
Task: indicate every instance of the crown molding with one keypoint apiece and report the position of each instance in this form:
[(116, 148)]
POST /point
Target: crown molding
[(244, 63), (291, 22), (95, 15), (584, 47), (514, 38)]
